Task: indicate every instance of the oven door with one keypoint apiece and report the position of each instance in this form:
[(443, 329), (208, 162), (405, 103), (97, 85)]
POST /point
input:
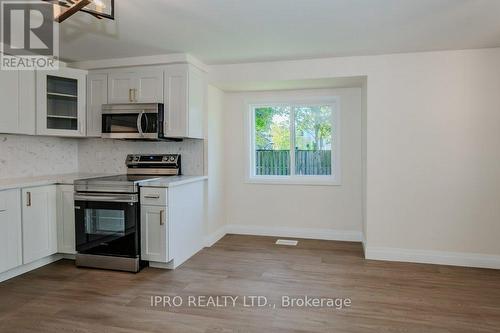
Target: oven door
[(107, 224)]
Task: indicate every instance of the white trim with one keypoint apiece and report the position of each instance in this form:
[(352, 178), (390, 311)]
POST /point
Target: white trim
[(433, 257), (215, 236), (174, 58), (309, 233), (29, 267), (334, 180)]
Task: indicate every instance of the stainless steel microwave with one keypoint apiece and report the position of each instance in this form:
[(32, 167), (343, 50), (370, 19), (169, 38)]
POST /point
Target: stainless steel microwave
[(133, 121)]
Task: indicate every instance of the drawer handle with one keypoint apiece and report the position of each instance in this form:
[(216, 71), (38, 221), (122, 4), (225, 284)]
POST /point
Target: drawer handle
[(162, 217), (3, 210), (152, 196), (28, 199)]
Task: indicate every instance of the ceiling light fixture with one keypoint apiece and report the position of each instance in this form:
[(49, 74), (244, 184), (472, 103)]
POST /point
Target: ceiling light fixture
[(63, 9)]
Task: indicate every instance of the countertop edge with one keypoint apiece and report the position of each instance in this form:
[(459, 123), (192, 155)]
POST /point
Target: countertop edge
[(62, 179), (68, 179), (164, 183)]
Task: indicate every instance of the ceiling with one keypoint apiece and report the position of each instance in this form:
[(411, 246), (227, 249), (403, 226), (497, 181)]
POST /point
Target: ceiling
[(233, 31)]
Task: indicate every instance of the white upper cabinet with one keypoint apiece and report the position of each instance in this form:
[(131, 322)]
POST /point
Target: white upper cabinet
[(149, 87), (97, 95), (39, 206), (17, 93), (10, 230), (120, 87), (184, 100), (61, 102), (137, 86)]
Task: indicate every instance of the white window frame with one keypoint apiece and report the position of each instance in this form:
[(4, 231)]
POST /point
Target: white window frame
[(333, 179)]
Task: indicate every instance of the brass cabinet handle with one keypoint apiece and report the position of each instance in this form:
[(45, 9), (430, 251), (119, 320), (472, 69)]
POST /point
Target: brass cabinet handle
[(162, 217), (28, 199)]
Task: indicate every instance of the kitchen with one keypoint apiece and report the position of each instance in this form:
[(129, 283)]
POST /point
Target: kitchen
[(73, 103)]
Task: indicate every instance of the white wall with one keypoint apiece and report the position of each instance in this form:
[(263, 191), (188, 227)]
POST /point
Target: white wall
[(215, 163), (26, 156), (333, 211), (433, 163)]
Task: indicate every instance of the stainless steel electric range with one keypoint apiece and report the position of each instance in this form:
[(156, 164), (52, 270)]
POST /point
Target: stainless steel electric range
[(107, 213)]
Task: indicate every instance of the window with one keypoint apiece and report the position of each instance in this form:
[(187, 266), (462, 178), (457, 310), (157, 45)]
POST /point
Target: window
[(294, 143)]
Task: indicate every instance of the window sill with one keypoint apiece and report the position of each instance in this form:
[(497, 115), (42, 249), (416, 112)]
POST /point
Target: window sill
[(313, 181)]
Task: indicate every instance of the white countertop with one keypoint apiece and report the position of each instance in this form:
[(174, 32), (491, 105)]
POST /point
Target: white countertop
[(65, 179), (172, 181), (69, 178)]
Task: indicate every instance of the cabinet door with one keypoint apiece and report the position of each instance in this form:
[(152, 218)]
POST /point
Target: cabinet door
[(196, 102), (97, 95), (149, 87), (175, 101), (65, 219), (17, 93), (120, 87), (154, 233), (61, 102), (10, 230), (39, 222)]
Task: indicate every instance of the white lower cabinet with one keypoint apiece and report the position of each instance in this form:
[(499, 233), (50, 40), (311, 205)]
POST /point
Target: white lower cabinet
[(65, 219), (10, 230), (171, 224), (154, 233), (39, 222)]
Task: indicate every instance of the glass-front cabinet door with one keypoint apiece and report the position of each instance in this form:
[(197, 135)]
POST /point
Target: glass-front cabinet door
[(61, 102)]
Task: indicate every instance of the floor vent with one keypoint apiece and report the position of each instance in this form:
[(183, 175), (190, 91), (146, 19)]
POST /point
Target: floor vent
[(289, 242)]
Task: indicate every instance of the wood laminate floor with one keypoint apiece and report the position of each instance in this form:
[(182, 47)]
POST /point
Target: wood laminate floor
[(385, 296)]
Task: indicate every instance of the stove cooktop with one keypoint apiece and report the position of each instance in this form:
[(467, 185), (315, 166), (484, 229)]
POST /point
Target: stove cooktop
[(140, 168), (114, 184), (122, 178)]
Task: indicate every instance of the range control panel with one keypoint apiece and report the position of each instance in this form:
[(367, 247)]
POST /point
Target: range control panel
[(147, 162)]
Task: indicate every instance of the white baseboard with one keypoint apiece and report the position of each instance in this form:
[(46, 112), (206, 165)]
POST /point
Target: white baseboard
[(29, 267), (311, 233), (215, 236), (433, 257)]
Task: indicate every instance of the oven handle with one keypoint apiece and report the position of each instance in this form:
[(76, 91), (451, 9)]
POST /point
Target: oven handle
[(107, 198), (139, 123)]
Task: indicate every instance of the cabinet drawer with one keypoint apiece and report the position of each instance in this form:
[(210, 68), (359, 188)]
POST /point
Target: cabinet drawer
[(155, 196)]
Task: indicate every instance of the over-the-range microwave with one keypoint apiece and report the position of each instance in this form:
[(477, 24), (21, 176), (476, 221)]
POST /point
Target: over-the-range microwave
[(135, 121)]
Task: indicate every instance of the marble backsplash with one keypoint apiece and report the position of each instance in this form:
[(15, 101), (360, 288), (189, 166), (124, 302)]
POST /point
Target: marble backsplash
[(108, 156), (27, 156)]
